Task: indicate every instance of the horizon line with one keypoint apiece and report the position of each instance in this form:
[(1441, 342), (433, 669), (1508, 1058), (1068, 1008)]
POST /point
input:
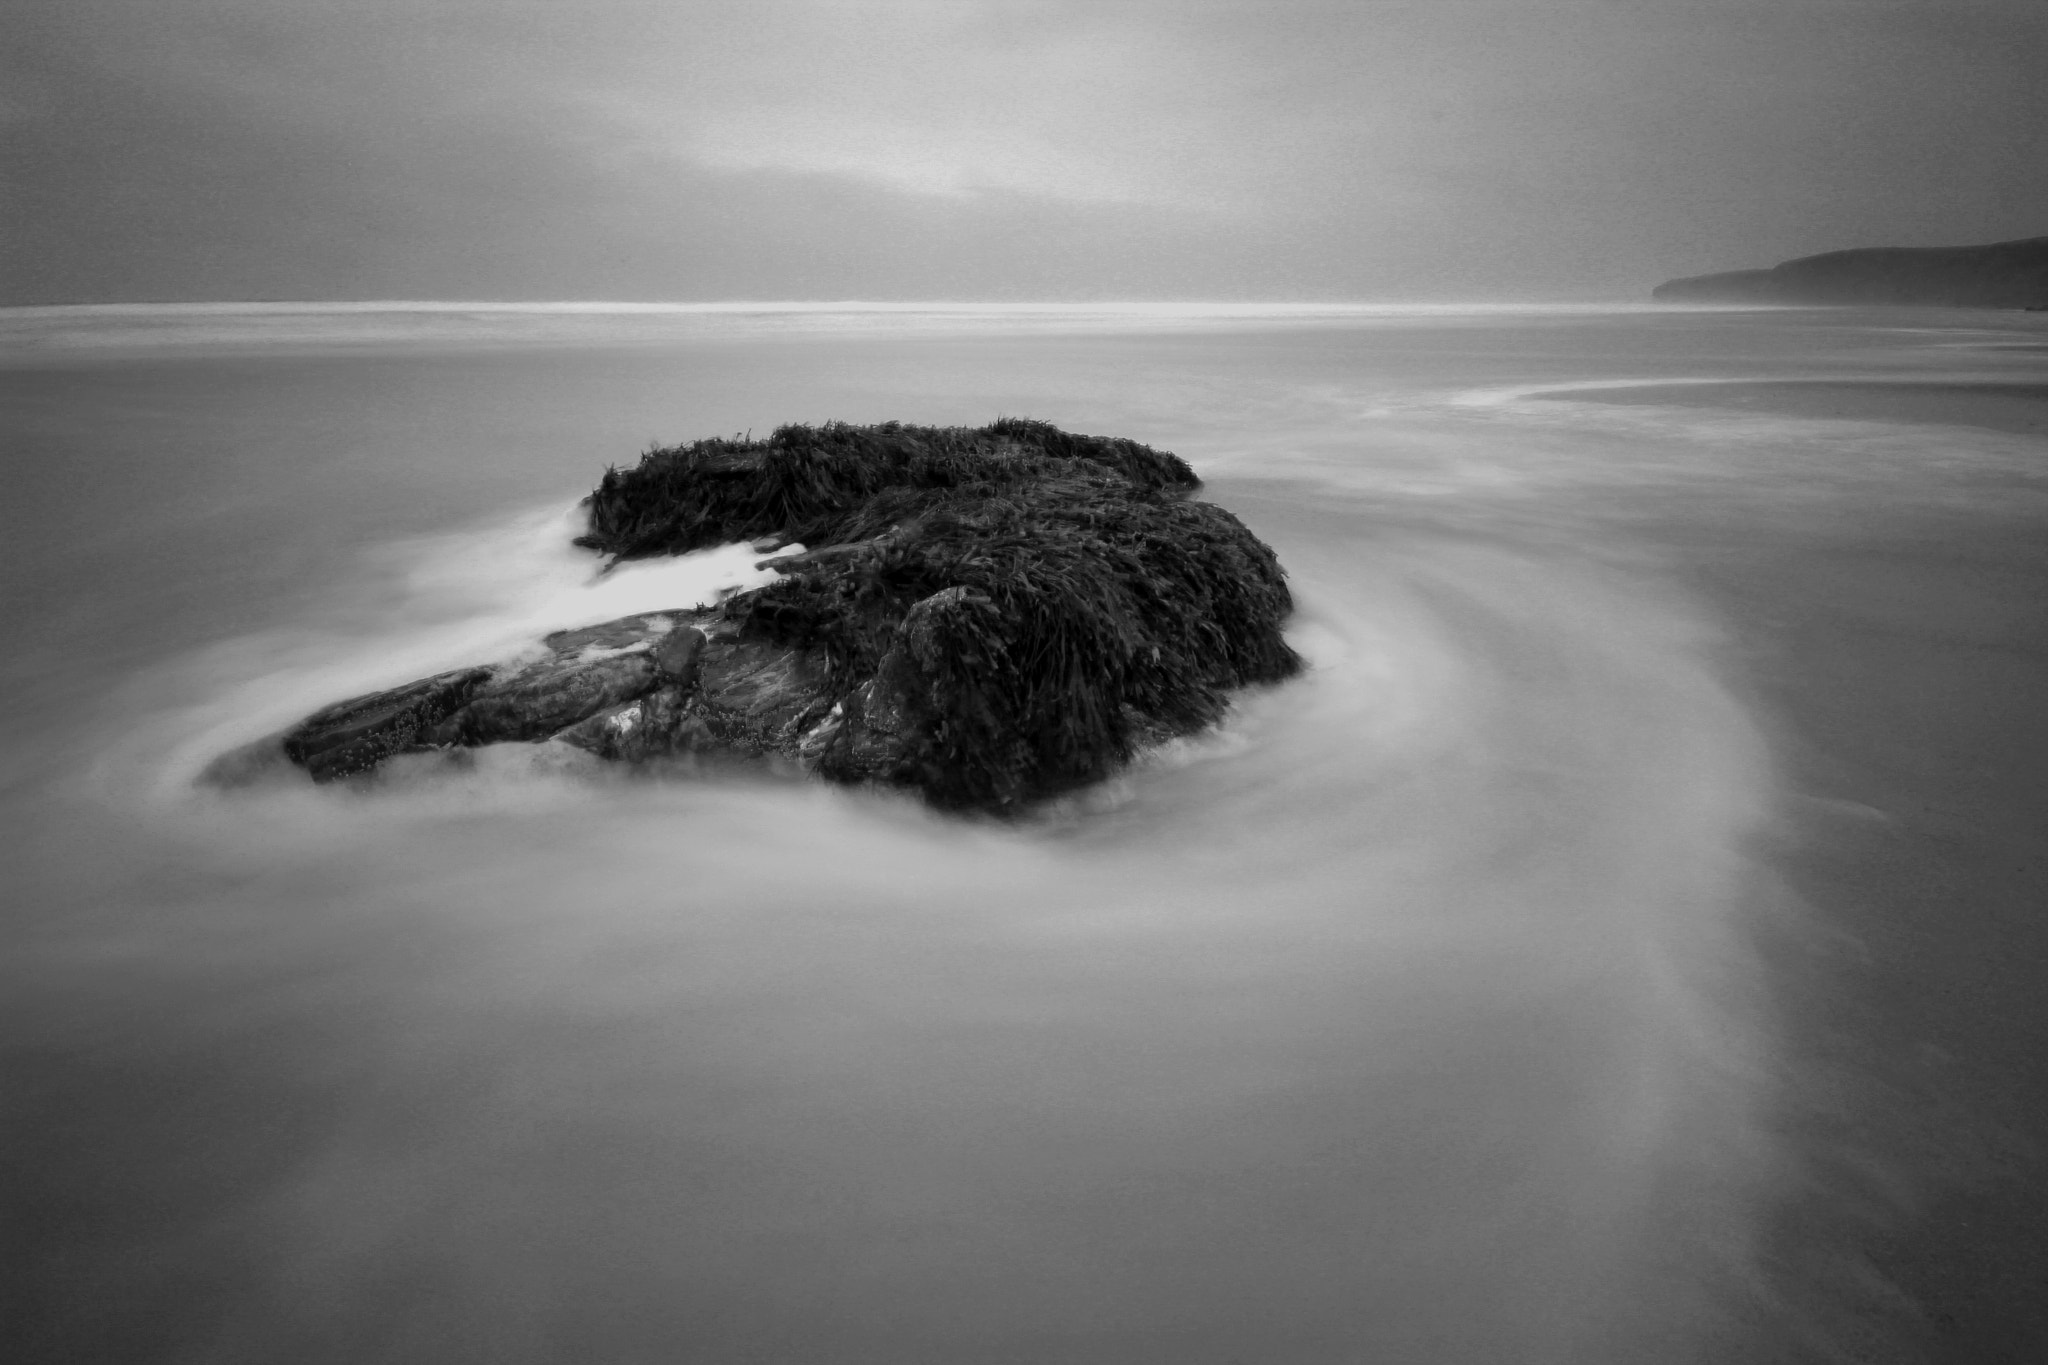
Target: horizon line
[(1187, 305)]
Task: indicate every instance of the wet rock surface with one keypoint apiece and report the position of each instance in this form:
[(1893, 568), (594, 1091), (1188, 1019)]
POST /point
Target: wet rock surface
[(1003, 613)]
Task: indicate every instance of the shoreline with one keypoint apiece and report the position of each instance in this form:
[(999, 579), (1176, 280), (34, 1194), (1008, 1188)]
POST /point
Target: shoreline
[(2011, 406)]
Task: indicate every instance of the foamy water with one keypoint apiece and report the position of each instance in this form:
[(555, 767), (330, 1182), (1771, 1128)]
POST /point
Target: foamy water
[(478, 595), (1414, 1014)]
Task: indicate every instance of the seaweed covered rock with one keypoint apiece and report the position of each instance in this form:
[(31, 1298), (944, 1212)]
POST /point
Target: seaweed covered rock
[(989, 616)]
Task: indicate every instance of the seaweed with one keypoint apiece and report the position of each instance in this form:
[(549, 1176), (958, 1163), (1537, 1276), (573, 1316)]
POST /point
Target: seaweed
[(838, 482), (988, 617), (1027, 606)]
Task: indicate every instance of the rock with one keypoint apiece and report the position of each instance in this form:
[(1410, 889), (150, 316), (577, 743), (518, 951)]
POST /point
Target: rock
[(540, 699), (994, 615), (354, 736), (759, 696), (628, 632), (2001, 275), (653, 726), (675, 658)]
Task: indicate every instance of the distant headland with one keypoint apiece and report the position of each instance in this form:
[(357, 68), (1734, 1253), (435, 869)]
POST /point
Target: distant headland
[(2001, 275)]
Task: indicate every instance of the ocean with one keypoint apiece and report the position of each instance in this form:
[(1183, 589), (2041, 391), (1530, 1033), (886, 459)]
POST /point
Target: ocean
[(1625, 942)]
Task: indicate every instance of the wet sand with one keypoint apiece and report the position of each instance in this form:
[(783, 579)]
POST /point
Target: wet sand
[(1900, 661), (1903, 668), (2010, 406)]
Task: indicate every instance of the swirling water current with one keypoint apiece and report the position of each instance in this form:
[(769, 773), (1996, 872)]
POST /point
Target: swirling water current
[(1615, 947)]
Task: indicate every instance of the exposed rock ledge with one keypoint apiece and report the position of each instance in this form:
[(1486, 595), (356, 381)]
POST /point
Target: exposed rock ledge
[(994, 615), (2002, 275)]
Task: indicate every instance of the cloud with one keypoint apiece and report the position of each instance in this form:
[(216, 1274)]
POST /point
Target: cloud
[(903, 154), (651, 148), (946, 101)]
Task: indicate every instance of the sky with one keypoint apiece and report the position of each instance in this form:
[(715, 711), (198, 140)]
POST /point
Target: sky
[(696, 150)]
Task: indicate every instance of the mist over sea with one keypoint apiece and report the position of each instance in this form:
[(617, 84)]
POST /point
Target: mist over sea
[(1625, 943)]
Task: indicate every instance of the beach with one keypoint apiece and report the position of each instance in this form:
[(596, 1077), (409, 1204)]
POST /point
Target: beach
[(2014, 407), (1622, 943)]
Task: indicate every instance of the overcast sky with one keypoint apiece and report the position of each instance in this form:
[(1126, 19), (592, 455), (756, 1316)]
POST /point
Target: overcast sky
[(997, 149)]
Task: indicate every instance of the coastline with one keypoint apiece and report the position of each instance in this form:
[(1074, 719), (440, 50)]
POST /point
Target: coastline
[(2006, 405), (1897, 663)]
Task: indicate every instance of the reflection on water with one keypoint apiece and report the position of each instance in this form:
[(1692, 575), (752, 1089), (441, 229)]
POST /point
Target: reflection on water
[(1414, 1015)]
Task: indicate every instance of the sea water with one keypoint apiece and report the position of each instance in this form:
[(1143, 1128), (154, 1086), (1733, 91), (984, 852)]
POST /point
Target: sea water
[(1619, 944)]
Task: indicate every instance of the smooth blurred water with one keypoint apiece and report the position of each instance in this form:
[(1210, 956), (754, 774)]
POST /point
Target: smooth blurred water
[(1503, 989)]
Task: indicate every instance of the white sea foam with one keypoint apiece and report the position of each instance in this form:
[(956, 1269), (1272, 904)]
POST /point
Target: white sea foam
[(1507, 789), (483, 594)]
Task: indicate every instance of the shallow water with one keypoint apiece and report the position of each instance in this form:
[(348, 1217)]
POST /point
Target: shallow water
[(1616, 947)]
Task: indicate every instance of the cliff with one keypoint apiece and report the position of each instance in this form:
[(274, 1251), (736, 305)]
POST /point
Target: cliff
[(2001, 275)]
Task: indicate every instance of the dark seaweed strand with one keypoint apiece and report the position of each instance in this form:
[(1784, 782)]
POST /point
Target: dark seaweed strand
[(1108, 613), (1113, 637), (812, 484), (1100, 607)]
